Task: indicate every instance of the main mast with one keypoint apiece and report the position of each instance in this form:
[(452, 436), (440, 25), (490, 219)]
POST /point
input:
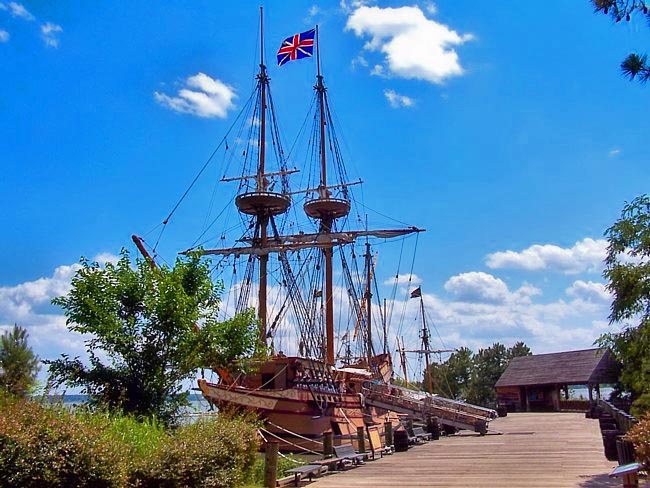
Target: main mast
[(326, 209)]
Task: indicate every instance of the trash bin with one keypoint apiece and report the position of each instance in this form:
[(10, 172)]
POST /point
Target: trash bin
[(401, 440), (609, 443), (625, 451)]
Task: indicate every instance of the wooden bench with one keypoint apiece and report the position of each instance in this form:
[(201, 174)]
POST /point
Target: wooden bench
[(421, 434), (309, 470), (333, 463), (413, 439), (375, 443), (346, 451)]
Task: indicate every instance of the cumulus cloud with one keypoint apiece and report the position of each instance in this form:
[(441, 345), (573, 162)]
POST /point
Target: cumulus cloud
[(396, 100), (585, 255), (413, 46), (50, 34), (201, 96), (4, 36), (589, 291), (28, 304), (479, 287), (18, 10)]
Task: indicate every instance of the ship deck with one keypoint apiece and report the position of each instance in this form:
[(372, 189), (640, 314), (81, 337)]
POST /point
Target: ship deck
[(533, 450)]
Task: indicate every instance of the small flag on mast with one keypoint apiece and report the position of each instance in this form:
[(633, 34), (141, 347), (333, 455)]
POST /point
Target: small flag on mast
[(297, 46), (417, 292)]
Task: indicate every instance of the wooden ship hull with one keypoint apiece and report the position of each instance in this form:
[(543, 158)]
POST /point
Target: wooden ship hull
[(299, 399)]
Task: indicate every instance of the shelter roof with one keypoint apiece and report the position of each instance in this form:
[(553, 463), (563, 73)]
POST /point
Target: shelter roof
[(565, 368)]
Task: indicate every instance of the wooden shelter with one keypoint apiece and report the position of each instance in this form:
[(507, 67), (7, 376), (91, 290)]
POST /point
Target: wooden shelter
[(538, 382)]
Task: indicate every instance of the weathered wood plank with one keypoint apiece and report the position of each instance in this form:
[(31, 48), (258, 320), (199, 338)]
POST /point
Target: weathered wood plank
[(535, 450)]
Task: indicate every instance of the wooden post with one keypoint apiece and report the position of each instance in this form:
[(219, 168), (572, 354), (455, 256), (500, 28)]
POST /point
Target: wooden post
[(271, 464), (388, 433), (361, 439), (328, 444)]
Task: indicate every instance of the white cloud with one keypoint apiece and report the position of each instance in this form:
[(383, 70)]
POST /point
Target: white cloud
[(413, 46), (589, 291), (202, 96), (585, 255), (18, 10), (360, 61), (479, 287), (354, 4), (396, 100), (431, 8), (50, 34), (4, 36), (377, 70), (614, 152), (106, 257), (404, 279)]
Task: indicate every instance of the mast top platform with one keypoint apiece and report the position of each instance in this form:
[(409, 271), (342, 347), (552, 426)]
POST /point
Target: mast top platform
[(327, 208), (263, 203)]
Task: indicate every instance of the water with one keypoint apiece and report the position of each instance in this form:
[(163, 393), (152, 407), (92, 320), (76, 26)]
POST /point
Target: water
[(198, 407)]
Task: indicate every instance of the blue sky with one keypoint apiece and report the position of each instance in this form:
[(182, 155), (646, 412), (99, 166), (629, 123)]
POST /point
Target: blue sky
[(506, 131)]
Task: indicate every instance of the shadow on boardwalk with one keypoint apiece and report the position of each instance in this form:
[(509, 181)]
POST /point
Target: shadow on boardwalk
[(536, 450), (600, 480)]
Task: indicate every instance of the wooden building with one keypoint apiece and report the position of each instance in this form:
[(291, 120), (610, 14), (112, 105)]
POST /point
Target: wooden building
[(542, 381)]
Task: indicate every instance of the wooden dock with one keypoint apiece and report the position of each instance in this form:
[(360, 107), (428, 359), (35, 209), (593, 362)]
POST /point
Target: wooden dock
[(532, 450)]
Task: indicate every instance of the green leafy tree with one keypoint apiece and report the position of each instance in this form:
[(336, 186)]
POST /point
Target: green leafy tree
[(519, 349), (489, 365), (634, 65), (18, 363), (627, 269), (142, 337), (451, 378)]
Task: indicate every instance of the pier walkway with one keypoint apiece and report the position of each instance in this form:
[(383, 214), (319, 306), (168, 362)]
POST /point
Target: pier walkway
[(542, 450)]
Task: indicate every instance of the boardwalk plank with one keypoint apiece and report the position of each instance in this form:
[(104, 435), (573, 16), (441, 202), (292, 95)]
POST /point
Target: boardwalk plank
[(546, 450)]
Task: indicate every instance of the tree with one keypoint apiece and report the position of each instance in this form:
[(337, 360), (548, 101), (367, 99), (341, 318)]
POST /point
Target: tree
[(489, 365), (627, 269), (518, 350), (18, 363), (451, 378), (634, 65), (143, 340)]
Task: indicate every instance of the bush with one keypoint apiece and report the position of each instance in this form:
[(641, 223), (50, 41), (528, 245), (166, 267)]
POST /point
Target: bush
[(46, 446), (639, 435), (219, 452)]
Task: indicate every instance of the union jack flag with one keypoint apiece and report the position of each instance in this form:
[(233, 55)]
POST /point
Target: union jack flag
[(297, 46)]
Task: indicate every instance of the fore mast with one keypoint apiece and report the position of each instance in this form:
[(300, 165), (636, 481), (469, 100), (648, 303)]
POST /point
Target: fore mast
[(261, 202), (326, 209)]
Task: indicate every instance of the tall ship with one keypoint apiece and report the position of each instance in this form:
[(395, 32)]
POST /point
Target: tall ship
[(304, 260)]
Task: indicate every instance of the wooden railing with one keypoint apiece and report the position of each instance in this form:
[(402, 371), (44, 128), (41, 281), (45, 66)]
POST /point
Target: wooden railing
[(623, 419)]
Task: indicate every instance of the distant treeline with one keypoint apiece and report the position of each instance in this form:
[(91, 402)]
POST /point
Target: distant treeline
[(470, 376)]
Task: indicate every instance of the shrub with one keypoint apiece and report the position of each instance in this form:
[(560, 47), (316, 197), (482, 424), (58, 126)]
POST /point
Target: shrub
[(46, 446), (218, 452), (639, 435)]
